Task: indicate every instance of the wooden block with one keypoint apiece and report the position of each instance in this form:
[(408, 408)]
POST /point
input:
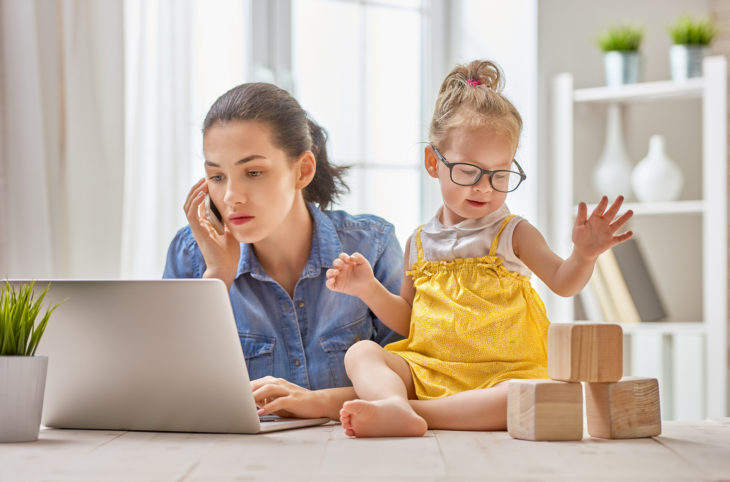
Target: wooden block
[(587, 352), (628, 408), (545, 410)]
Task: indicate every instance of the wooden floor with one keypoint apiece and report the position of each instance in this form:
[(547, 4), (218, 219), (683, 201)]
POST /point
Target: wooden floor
[(685, 451)]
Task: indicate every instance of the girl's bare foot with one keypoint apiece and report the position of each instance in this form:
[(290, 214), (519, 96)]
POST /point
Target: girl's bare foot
[(392, 417)]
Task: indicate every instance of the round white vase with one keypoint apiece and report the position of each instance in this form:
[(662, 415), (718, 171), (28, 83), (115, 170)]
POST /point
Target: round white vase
[(657, 178), (612, 175)]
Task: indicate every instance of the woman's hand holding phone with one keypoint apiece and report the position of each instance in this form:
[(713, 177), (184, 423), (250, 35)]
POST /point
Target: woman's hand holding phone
[(220, 249)]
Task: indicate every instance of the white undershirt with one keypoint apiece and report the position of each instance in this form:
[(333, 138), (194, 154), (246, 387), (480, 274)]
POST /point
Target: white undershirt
[(470, 238)]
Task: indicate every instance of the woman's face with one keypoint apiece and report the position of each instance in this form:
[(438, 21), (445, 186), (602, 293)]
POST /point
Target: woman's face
[(484, 147), (252, 182)]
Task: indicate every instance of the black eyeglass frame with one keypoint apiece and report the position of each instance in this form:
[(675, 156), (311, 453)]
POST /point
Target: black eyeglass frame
[(451, 165)]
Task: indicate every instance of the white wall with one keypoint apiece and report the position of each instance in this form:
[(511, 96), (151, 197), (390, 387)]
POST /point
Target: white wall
[(506, 32)]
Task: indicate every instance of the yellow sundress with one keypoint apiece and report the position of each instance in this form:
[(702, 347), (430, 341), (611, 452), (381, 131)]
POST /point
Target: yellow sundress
[(473, 324)]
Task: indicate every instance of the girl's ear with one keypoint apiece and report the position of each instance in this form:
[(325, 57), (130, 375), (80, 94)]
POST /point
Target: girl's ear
[(431, 162), (306, 167)]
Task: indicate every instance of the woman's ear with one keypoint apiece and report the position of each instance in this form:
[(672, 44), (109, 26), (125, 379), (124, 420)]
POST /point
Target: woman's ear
[(306, 167), (431, 162)]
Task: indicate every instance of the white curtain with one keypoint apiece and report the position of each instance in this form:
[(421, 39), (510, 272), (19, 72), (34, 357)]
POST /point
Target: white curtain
[(179, 56), (158, 48), (61, 128)]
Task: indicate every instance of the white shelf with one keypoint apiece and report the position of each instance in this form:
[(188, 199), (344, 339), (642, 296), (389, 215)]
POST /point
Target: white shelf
[(665, 327), (654, 344), (673, 207), (643, 91), (661, 327)]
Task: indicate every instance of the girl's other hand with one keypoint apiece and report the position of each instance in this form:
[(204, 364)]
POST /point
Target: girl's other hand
[(285, 399), (350, 274), (594, 234), (220, 251)]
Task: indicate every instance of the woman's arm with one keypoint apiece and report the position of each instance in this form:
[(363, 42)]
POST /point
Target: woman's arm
[(592, 235), (283, 398), (353, 275), (221, 252)]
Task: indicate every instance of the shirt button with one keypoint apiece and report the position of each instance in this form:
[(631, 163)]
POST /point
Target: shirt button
[(357, 338), (300, 304), (297, 362)]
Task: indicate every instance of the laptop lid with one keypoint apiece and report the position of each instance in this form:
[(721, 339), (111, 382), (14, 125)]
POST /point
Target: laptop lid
[(160, 355)]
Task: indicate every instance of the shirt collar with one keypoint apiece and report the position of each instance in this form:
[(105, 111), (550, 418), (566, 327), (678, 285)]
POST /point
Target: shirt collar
[(467, 225), (326, 247)]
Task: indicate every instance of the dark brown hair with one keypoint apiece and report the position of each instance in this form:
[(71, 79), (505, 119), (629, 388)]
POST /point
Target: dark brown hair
[(471, 95), (292, 130)]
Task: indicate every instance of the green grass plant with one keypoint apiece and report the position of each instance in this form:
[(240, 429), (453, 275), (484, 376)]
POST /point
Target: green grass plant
[(623, 38), (687, 31), (19, 310)]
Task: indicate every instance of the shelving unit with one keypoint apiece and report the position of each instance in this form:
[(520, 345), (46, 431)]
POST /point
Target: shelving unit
[(708, 336)]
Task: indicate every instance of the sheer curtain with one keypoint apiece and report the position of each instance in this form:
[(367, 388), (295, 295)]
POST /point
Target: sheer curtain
[(179, 56), (62, 155), (157, 141)]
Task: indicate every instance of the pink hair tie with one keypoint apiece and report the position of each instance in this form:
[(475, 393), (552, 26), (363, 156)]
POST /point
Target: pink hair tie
[(474, 82)]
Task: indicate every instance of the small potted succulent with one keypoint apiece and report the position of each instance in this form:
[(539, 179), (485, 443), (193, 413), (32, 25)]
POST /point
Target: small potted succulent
[(22, 374), (691, 39), (620, 44)]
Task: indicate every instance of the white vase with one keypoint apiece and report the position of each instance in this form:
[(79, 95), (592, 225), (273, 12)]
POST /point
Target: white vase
[(613, 172), (657, 178), (22, 384)]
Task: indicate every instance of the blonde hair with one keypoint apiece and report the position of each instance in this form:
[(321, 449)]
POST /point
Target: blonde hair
[(470, 96)]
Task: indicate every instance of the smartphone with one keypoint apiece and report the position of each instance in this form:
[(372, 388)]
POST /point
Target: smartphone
[(213, 215)]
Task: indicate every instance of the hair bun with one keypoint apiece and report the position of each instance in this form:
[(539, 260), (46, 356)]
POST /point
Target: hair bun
[(484, 72)]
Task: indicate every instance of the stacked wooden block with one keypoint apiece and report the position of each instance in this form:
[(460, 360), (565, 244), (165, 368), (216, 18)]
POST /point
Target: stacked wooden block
[(616, 406)]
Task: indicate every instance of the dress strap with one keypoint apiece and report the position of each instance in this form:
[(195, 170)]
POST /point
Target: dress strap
[(419, 246), (495, 241)]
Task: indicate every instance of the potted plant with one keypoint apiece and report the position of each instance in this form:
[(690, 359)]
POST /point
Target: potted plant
[(22, 374), (620, 44), (691, 39)]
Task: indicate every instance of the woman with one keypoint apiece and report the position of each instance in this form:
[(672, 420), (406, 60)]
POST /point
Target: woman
[(268, 176)]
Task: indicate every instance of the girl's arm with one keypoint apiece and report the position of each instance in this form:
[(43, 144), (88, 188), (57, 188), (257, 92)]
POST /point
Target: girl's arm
[(353, 275), (592, 235)]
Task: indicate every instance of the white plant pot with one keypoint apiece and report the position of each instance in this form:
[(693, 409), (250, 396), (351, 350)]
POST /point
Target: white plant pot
[(612, 175), (656, 178), (685, 61), (22, 384), (621, 67)]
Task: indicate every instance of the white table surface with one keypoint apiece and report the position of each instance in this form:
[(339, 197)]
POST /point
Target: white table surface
[(684, 451)]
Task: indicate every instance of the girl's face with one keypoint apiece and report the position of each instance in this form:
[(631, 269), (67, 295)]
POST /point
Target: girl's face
[(485, 147), (253, 183)]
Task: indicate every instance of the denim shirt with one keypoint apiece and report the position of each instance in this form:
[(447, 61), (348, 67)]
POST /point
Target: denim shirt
[(304, 339)]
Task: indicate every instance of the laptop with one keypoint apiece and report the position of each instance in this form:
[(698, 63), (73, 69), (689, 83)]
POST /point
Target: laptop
[(159, 355)]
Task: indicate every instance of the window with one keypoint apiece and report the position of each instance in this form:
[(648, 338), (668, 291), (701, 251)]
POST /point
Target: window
[(361, 78)]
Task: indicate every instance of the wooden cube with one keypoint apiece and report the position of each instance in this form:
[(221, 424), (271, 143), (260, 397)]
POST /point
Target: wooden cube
[(545, 410), (628, 408), (587, 352)]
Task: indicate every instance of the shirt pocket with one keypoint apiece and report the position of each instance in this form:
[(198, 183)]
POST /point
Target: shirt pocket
[(335, 343), (259, 353)]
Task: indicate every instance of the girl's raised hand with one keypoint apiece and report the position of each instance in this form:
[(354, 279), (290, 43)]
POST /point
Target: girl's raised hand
[(594, 234), (350, 274), (220, 251)]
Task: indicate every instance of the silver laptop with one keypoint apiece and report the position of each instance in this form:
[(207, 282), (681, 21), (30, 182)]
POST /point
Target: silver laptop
[(148, 355)]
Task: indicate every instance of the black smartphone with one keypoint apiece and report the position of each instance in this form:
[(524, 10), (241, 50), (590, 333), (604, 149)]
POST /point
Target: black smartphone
[(213, 215)]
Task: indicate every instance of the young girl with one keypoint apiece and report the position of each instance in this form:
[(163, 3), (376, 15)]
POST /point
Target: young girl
[(268, 174), (472, 318)]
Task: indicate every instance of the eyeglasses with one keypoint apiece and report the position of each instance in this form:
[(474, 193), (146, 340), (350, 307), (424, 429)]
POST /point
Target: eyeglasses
[(465, 174)]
